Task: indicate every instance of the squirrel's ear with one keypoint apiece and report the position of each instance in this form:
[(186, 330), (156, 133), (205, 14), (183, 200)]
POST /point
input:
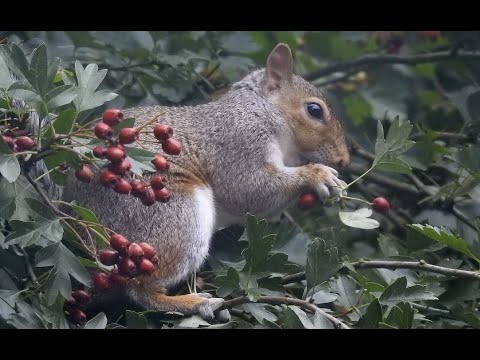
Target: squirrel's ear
[(279, 66)]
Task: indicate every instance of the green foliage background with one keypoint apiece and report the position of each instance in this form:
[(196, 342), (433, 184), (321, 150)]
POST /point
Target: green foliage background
[(433, 181)]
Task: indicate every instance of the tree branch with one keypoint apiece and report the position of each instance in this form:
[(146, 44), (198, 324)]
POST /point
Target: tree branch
[(387, 264), (279, 300), (374, 59)]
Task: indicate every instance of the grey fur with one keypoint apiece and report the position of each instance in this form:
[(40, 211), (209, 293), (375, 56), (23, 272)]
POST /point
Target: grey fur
[(230, 145)]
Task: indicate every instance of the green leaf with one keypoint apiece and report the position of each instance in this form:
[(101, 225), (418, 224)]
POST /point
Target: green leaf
[(372, 316), (346, 289), (260, 243), (39, 67), (98, 322), (88, 215), (34, 233), (135, 320), (401, 316), (5, 78), (322, 262), (388, 149), (9, 166), (61, 95), (398, 292), (295, 318), (468, 157), (259, 312), (473, 107), (324, 297), (52, 70), (65, 121), (140, 159), (228, 283), (444, 236), (321, 322), (359, 219), (64, 264), (193, 321), (54, 314), (88, 81), (20, 64), (13, 205)]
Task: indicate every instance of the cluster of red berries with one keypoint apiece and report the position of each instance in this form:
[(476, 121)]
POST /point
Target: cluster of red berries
[(309, 200), (20, 143), (129, 260), (74, 306), (120, 165)]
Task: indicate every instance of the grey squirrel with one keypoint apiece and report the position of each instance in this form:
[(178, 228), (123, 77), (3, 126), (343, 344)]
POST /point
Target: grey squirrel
[(271, 137)]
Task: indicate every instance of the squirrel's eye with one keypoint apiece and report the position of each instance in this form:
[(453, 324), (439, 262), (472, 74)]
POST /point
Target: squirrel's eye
[(315, 110)]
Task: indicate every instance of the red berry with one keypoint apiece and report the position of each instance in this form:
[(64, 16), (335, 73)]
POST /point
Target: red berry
[(118, 279), (160, 163), (381, 205), (9, 141), (78, 317), (154, 260), (81, 296), (99, 152), (122, 187), (119, 243), (108, 257), (146, 266), (85, 174), (108, 178), (135, 250), (138, 187), (162, 195), (127, 267), (162, 132), (24, 143), (114, 154), (307, 201), (101, 281), (148, 250), (148, 197), (122, 167), (128, 135), (172, 146), (112, 117), (70, 302), (157, 182), (103, 131)]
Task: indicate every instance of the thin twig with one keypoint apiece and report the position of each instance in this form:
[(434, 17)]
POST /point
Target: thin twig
[(29, 268), (279, 300), (374, 59), (45, 198)]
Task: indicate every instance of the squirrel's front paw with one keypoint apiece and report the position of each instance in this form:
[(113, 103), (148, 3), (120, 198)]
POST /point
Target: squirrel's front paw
[(330, 184), (207, 308)]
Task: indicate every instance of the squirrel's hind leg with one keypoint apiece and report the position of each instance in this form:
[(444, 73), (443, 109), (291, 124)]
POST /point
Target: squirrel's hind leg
[(182, 244)]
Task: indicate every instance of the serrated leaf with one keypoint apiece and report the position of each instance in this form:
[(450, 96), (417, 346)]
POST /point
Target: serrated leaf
[(64, 122), (54, 314), (322, 262), (259, 312), (88, 215), (9, 165), (88, 81), (372, 317), (228, 283), (388, 149), (134, 320), (5, 78), (140, 159), (39, 68), (295, 318), (61, 95), (20, 64), (443, 235), (13, 205), (260, 243), (34, 233), (346, 288), (64, 264), (398, 292), (98, 322), (401, 316), (359, 219)]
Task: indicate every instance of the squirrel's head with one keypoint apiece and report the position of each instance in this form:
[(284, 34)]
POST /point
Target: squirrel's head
[(319, 135)]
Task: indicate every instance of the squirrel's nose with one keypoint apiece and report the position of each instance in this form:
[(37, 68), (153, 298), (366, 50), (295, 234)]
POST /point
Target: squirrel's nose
[(343, 162)]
